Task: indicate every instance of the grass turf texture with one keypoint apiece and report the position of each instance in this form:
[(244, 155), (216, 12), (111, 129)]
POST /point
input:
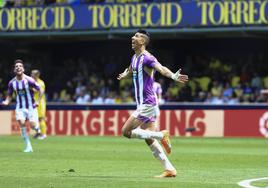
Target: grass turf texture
[(118, 162), (261, 183)]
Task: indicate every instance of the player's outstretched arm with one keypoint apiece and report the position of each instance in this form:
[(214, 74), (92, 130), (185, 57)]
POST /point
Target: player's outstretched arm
[(124, 74), (178, 77), (41, 93), (7, 101)]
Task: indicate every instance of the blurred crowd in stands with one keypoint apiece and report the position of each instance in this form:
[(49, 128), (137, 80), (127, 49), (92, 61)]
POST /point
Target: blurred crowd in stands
[(93, 80), (11, 3), (214, 79)]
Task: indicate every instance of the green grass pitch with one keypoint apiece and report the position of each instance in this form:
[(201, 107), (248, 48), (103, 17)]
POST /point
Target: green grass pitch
[(116, 162)]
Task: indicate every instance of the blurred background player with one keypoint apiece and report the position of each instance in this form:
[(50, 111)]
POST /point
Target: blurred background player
[(23, 86), (42, 105), (141, 124), (158, 91)]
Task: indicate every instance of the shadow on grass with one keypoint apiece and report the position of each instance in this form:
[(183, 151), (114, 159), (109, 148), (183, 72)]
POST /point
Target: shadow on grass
[(115, 177), (103, 177)]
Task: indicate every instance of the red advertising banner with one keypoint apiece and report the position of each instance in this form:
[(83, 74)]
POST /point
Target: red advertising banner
[(5, 119), (246, 123), (208, 123), (110, 122)]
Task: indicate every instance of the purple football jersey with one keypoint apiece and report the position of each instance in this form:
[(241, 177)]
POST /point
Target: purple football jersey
[(157, 89), (23, 90), (143, 82)]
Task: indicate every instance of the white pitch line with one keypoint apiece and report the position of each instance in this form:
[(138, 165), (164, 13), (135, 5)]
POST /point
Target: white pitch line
[(246, 183)]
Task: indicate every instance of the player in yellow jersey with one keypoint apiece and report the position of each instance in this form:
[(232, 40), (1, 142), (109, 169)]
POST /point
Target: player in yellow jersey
[(42, 105)]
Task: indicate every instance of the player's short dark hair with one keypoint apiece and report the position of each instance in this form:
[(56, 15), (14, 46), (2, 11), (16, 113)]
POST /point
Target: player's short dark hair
[(143, 31), (36, 72), (18, 61)]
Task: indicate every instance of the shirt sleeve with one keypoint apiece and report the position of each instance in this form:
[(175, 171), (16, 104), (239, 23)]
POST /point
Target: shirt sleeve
[(159, 90), (150, 61), (10, 89), (42, 85), (33, 84)]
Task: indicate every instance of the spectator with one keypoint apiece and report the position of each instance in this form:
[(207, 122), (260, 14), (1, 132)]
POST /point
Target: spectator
[(201, 97), (55, 97), (83, 97), (96, 98), (232, 99), (216, 89), (110, 98), (256, 82), (247, 90), (227, 91)]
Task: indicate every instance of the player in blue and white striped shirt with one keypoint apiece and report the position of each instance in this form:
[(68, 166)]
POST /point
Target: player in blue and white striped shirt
[(23, 86)]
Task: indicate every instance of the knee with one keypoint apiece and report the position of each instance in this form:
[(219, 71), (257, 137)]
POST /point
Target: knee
[(126, 133), (22, 126), (32, 124), (149, 141)]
